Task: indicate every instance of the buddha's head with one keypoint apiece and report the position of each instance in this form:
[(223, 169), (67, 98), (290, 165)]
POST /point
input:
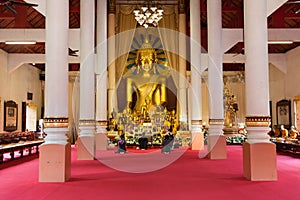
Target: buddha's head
[(146, 57)]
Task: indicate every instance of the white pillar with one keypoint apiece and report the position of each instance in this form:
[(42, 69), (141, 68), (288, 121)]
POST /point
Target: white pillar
[(86, 146), (101, 71), (257, 148), (111, 57), (216, 139), (182, 90), (257, 68), (55, 154), (196, 83)]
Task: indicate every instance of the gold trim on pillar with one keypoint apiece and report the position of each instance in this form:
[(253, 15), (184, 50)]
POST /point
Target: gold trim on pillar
[(87, 122), (258, 121), (181, 7), (73, 76), (56, 122), (216, 121), (112, 7), (101, 123), (197, 122)]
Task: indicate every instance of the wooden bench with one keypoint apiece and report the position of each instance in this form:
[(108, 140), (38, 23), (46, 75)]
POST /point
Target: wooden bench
[(15, 137), (288, 147), (20, 147)]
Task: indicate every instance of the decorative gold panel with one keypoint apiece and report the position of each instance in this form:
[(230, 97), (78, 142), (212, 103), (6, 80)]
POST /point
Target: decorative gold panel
[(56, 122), (197, 122), (259, 121), (102, 123), (216, 121), (87, 122)]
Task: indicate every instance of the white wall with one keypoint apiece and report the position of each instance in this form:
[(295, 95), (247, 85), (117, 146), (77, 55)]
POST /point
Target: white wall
[(277, 88), (15, 85), (292, 83), (293, 72), (285, 85)]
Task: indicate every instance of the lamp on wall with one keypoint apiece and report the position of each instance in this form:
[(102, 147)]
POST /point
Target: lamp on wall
[(148, 15), (20, 42), (280, 42)]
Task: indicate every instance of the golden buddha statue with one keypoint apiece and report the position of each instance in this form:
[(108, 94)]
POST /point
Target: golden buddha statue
[(230, 104), (146, 81)]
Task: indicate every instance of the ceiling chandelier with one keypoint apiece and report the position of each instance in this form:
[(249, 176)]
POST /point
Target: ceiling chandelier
[(148, 15)]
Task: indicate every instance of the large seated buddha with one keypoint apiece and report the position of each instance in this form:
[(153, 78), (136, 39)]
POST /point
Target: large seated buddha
[(146, 80)]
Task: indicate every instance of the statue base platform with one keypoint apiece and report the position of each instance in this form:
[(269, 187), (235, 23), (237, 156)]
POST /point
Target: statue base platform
[(230, 130), (233, 136)]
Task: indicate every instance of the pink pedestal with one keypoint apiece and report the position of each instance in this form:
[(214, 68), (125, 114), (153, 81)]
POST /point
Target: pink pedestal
[(101, 141), (54, 163), (217, 147), (86, 148), (259, 161), (197, 141)]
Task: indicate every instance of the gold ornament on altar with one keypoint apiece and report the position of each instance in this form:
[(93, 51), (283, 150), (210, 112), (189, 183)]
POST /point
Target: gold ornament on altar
[(230, 107)]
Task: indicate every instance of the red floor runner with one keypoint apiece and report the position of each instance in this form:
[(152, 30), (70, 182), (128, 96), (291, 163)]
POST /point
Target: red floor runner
[(187, 178)]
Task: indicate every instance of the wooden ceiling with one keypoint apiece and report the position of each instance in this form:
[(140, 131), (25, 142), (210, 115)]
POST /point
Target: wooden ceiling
[(232, 17)]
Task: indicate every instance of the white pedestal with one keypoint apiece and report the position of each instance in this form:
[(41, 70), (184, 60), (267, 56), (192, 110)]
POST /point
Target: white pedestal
[(101, 141), (259, 160), (86, 148), (55, 162), (217, 147), (197, 141)]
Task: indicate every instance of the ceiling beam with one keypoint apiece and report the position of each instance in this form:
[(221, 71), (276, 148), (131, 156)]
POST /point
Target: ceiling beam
[(230, 36), (38, 35), (17, 60)]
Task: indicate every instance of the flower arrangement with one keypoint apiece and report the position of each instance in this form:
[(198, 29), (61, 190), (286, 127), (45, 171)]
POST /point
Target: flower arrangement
[(237, 139), (157, 140), (131, 141)]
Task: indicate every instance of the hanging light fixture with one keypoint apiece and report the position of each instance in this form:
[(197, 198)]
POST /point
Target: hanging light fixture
[(148, 15)]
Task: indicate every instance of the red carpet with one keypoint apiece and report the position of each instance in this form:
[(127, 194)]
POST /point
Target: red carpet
[(187, 178)]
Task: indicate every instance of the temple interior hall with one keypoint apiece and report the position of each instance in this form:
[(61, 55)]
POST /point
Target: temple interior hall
[(138, 96)]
